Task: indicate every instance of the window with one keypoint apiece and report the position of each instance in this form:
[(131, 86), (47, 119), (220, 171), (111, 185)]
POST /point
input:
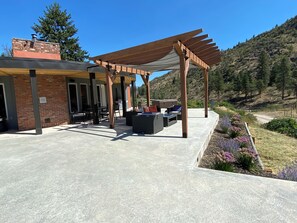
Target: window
[(84, 97), (73, 99), (3, 105)]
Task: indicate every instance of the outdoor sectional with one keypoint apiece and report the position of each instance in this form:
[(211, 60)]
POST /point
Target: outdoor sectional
[(148, 123)]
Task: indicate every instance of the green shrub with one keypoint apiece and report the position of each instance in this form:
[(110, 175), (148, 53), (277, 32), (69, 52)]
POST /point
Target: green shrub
[(234, 132), (223, 161), (286, 126), (246, 158), (195, 104), (223, 166)]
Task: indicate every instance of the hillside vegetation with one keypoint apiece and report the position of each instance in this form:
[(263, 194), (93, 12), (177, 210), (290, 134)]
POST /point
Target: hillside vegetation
[(250, 73)]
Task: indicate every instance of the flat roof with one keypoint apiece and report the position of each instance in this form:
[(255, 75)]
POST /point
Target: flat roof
[(12, 65)]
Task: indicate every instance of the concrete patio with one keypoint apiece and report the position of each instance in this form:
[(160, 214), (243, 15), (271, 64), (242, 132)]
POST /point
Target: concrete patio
[(96, 174)]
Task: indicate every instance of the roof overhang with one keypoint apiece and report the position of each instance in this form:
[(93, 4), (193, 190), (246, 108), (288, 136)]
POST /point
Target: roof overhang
[(17, 66)]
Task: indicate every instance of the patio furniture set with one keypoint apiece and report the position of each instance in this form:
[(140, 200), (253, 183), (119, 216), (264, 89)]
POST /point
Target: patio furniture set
[(151, 121)]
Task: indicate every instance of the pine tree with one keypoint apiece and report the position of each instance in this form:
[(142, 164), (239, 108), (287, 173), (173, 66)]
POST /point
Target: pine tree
[(294, 82), (273, 74), (237, 87), (57, 26), (246, 83), (217, 83), (263, 74), (283, 78)]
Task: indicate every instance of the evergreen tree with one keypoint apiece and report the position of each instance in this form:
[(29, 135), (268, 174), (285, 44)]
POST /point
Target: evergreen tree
[(263, 74), (294, 82), (246, 83), (217, 83), (237, 87), (56, 26), (273, 74), (283, 77)]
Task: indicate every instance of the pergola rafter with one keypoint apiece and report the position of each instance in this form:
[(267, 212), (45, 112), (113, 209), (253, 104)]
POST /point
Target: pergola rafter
[(176, 52)]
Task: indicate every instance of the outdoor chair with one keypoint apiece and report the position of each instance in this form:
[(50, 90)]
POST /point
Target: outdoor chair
[(116, 109), (176, 109)]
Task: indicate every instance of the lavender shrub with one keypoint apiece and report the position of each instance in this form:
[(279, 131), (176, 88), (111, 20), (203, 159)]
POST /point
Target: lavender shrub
[(229, 145), (289, 172), (225, 124)]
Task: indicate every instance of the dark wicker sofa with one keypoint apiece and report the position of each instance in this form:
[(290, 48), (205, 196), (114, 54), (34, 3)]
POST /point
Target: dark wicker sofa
[(148, 123)]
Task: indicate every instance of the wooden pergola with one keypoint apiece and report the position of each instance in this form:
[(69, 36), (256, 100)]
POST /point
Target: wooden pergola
[(181, 52)]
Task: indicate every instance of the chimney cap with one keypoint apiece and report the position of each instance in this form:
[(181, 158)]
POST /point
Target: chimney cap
[(34, 37)]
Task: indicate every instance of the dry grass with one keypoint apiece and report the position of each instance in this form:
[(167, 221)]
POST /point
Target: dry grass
[(276, 150)]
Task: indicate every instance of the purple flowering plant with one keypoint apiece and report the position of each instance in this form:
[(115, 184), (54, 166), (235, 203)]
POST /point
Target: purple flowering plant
[(243, 141), (289, 172), (234, 132), (224, 161), (229, 145), (246, 158), (225, 124)]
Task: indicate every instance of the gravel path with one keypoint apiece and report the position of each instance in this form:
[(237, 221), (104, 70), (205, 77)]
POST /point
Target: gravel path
[(262, 119)]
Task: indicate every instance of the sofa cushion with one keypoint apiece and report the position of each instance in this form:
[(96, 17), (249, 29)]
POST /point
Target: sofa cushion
[(153, 108)]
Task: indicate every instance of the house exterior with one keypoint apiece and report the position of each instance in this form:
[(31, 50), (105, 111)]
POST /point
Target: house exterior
[(61, 87)]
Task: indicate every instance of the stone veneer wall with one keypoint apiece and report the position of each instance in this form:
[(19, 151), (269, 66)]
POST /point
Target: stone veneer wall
[(38, 49)]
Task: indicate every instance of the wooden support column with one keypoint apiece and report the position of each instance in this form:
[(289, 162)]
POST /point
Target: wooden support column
[(109, 97), (38, 127), (184, 67), (148, 91), (123, 92), (94, 105), (133, 94), (146, 81), (205, 71)]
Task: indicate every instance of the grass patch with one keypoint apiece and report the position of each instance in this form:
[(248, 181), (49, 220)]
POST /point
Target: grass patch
[(276, 150)]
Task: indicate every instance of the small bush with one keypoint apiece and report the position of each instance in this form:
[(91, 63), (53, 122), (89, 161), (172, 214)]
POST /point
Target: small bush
[(225, 124), (286, 126), (223, 161), (246, 158), (289, 172), (243, 141), (223, 166), (234, 132), (229, 145), (195, 104)]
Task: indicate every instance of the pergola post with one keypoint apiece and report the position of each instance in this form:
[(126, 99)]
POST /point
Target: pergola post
[(124, 104), (148, 91), (133, 94), (146, 81), (184, 67), (109, 97), (205, 71), (93, 105), (38, 127)]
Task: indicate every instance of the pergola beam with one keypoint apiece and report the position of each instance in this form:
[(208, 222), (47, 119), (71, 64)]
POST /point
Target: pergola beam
[(182, 49), (148, 46), (194, 40), (120, 68)]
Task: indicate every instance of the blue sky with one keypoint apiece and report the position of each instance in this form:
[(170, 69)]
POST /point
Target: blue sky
[(106, 26)]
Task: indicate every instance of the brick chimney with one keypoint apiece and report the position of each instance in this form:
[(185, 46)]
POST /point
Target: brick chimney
[(35, 49)]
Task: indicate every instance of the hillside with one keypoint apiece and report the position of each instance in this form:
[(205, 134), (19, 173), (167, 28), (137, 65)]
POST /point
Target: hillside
[(244, 57)]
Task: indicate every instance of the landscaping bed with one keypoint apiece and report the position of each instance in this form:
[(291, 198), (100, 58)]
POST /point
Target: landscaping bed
[(230, 150)]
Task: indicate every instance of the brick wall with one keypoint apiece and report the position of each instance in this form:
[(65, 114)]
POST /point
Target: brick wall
[(38, 49), (56, 108)]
